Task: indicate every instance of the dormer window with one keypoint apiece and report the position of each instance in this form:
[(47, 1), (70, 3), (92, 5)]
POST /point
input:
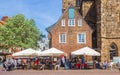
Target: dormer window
[(63, 22), (71, 22), (79, 22)]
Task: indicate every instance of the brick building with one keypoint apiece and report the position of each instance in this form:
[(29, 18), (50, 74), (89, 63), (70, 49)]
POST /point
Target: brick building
[(70, 32), (103, 16)]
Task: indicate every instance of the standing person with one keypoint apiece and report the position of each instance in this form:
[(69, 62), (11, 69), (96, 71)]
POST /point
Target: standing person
[(15, 63), (70, 64), (28, 63), (63, 61), (83, 61), (57, 66), (36, 62), (111, 65), (5, 67), (19, 63), (97, 65), (94, 64)]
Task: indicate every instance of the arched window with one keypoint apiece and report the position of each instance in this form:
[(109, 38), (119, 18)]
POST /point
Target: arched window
[(113, 50)]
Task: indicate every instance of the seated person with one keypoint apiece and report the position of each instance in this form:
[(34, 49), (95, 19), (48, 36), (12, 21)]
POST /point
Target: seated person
[(42, 64), (104, 65), (5, 67), (85, 65), (57, 66), (78, 65)]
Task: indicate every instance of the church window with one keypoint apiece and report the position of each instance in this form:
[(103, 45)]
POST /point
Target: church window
[(113, 51)]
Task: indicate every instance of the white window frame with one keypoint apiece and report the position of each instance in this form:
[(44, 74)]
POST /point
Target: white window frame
[(70, 22), (63, 22), (79, 22), (62, 40), (80, 42)]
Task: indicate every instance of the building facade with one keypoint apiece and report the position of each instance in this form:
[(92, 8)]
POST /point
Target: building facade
[(70, 32), (108, 24), (103, 16)]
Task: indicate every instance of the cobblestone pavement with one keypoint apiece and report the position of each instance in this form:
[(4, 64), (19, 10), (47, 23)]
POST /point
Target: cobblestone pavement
[(60, 72)]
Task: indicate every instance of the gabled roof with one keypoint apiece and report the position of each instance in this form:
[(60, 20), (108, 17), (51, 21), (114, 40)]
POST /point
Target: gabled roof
[(85, 21), (52, 26)]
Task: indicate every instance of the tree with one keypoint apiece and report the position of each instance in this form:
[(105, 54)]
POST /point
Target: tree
[(19, 32)]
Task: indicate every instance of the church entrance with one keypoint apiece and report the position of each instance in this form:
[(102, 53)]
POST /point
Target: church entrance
[(113, 51)]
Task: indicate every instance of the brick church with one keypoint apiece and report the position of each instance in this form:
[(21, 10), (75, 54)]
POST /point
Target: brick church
[(93, 23)]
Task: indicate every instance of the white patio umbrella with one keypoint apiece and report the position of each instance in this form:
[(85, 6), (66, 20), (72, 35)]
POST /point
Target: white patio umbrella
[(52, 52), (86, 51), (26, 52)]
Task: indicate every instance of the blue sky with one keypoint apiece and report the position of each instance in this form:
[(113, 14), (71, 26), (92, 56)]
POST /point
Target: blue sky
[(44, 12)]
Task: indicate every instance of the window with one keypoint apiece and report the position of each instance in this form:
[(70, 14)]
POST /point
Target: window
[(71, 13), (63, 22), (81, 38), (113, 50), (78, 3), (79, 22), (71, 22), (62, 38)]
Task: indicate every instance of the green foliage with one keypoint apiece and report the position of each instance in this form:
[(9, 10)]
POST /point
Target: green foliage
[(19, 32)]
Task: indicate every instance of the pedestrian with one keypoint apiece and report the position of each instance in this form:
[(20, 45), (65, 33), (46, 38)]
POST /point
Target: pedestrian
[(111, 65), (70, 64), (83, 61), (104, 65), (5, 67), (57, 66)]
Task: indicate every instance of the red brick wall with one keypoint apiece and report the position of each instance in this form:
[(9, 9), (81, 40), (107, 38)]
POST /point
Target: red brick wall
[(71, 34)]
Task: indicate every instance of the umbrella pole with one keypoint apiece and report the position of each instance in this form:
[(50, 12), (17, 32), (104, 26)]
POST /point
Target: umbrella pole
[(52, 62)]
